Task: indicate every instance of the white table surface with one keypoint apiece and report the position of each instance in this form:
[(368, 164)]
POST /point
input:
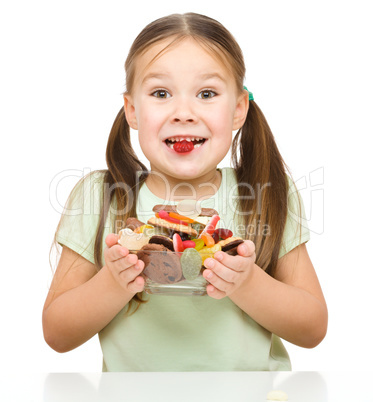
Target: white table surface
[(191, 387)]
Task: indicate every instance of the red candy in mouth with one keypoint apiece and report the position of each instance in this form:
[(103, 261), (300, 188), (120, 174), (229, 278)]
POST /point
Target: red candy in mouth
[(183, 146)]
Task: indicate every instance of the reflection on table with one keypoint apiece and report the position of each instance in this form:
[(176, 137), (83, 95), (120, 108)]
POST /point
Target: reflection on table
[(217, 386), (191, 387)]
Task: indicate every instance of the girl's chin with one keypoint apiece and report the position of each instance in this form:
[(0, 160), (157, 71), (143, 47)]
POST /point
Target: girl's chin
[(184, 171)]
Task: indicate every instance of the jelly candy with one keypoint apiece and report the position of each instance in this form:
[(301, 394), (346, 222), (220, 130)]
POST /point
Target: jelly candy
[(183, 146), (207, 252), (210, 227), (180, 217), (207, 239), (178, 243), (223, 233), (191, 263), (216, 237), (164, 215), (142, 229), (189, 244), (199, 243)]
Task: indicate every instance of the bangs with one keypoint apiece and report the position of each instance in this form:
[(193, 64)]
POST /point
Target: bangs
[(215, 50)]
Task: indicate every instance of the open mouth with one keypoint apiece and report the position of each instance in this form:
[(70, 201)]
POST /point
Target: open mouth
[(184, 144)]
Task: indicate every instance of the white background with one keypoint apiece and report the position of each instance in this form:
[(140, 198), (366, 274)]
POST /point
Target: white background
[(310, 67)]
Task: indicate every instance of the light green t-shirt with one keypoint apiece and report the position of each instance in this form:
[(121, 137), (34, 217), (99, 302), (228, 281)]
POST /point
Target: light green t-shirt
[(177, 333)]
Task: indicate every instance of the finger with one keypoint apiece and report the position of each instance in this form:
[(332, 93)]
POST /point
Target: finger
[(135, 282), (214, 293), (216, 281), (224, 272), (246, 249), (237, 262), (111, 239), (130, 265), (120, 255), (137, 285), (234, 262), (115, 253), (125, 271)]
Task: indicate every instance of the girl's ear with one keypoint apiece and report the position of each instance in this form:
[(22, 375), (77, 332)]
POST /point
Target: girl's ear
[(242, 108), (129, 110)]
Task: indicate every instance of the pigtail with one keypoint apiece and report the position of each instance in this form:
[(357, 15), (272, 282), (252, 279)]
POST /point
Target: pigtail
[(121, 184), (260, 169)]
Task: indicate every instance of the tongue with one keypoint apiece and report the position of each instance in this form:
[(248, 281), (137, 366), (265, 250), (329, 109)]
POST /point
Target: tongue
[(183, 146)]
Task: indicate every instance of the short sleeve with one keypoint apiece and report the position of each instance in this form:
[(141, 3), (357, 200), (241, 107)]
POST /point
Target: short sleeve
[(296, 230), (78, 225)]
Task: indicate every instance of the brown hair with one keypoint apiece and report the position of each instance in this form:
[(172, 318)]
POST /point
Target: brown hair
[(255, 156), (257, 161)]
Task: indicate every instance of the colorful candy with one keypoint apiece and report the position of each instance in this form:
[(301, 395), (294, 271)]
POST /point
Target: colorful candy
[(191, 263), (207, 239), (173, 239), (223, 233), (164, 215), (210, 227), (199, 243), (178, 243), (207, 252), (142, 229), (181, 217), (189, 244), (216, 237), (183, 146)]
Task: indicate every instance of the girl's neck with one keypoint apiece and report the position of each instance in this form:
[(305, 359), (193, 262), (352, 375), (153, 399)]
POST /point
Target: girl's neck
[(171, 189)]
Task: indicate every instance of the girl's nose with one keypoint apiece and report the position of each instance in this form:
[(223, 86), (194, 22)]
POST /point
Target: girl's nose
[(183, 119), (183, 112)]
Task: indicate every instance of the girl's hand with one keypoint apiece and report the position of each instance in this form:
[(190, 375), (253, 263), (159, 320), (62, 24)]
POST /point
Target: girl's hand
[(226, 273), (124, 267)]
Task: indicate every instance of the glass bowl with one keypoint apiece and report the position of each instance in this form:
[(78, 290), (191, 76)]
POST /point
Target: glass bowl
[(164, 274)]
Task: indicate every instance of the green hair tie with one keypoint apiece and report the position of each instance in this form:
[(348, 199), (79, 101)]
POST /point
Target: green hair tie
[(251, 95)]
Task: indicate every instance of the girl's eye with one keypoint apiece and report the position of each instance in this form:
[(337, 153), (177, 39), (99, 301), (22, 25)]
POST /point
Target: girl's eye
[(161, 93), (206, 94)]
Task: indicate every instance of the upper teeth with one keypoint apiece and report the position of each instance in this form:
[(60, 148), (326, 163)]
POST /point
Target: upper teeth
[(177, 139)]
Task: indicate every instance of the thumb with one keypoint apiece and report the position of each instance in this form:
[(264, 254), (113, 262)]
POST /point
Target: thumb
[(246, 249), (111, 239)]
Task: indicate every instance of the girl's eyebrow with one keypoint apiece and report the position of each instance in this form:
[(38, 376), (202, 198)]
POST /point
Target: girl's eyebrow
[(154, 75), (203, 76), (209, 76)]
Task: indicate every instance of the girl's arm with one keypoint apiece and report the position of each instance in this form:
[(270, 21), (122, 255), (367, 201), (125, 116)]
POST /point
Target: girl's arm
[(291, 305), (82, 301)]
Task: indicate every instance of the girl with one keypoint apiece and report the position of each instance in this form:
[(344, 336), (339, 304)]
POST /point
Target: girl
[(185, 78)]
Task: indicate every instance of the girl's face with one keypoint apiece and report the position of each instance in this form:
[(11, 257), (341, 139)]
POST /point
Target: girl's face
[(185, 106)]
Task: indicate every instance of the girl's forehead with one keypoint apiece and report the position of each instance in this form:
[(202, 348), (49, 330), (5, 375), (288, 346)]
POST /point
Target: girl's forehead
[(166, 51)]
